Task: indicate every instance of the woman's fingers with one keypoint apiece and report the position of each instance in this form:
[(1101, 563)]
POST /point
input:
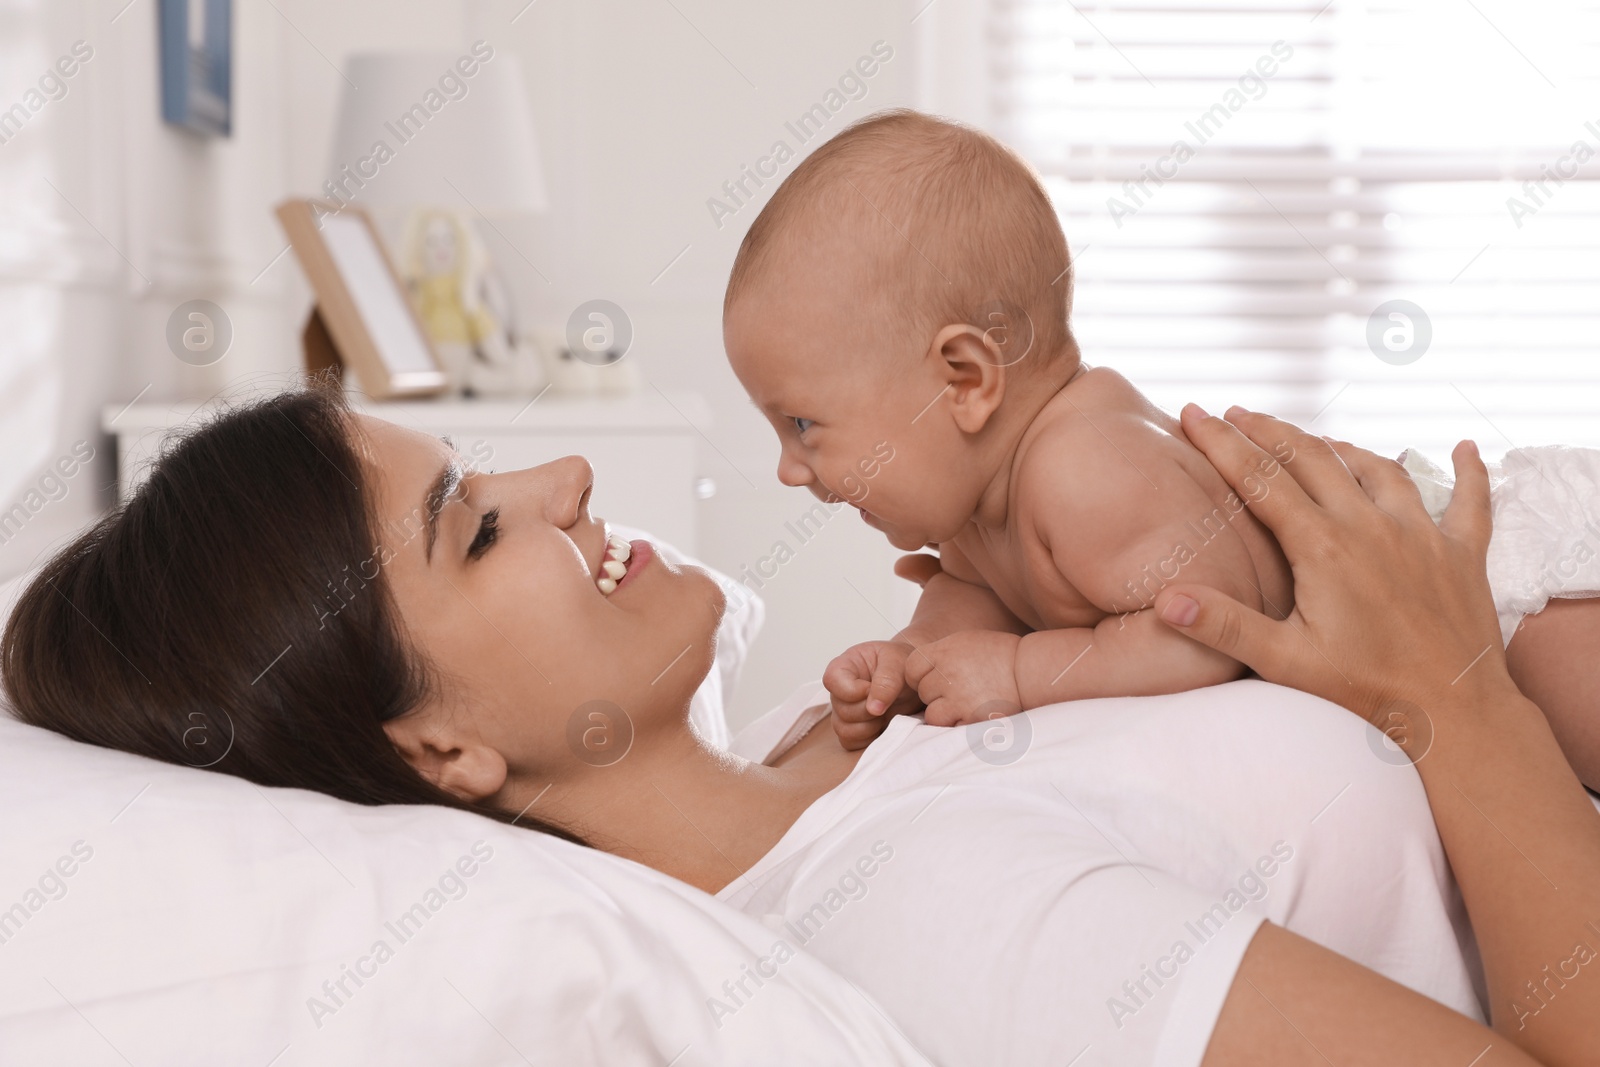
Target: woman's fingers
[(1317, 468), (1385, 481), (1218, 621), (1255, 475), (1468, 517)]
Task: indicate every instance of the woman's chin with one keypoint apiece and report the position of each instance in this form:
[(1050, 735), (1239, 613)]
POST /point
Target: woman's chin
[(704, 585), (700, 607)]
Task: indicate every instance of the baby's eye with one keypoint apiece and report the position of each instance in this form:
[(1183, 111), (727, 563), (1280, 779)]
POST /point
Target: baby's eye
[(801, 425)]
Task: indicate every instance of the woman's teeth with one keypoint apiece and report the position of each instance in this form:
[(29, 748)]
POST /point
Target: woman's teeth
[(614, 565)]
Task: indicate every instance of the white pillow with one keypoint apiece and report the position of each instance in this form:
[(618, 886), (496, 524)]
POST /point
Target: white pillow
[(168, 915)]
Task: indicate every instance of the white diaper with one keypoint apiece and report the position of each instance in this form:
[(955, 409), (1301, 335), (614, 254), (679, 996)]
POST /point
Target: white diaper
[(1546, 540)]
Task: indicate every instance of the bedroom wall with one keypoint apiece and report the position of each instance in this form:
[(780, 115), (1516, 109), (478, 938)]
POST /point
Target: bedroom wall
[(111, 219), (644, 110)]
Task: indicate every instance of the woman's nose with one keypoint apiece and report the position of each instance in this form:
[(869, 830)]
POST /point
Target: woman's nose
[(571, 477)]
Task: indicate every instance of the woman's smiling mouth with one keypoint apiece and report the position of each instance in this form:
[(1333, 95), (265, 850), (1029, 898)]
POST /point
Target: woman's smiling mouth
[(620, 562)]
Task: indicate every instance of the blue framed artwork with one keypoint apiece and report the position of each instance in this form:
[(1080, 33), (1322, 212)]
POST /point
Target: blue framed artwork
[(197, 65)]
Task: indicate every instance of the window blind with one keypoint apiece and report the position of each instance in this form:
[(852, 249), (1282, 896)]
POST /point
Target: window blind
[(1249, 186)]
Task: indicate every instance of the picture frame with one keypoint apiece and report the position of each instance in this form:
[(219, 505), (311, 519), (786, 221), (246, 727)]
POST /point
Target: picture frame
[(197, 65), (364, 318)]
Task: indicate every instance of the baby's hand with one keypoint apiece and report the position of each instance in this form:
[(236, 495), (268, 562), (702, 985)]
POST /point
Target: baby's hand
[(965, 677), (868, 685)]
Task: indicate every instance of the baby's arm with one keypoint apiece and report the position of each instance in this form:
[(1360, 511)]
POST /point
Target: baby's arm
[(867, 681), (975, 675), (1120, 518), (1123, 522), (1125, 655)]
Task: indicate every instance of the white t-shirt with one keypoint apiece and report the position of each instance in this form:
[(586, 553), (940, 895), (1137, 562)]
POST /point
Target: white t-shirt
[(1079, 884)]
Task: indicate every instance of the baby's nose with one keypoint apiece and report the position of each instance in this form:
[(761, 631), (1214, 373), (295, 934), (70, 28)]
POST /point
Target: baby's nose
[(793, 473)]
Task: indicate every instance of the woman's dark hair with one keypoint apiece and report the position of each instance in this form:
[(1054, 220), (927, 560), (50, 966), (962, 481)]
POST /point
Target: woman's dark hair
[(232, 614)]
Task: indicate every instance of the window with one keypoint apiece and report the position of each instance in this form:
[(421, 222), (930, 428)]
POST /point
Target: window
[(1379, 219)]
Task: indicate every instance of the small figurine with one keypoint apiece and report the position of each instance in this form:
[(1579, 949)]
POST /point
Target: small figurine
[(464, 307)]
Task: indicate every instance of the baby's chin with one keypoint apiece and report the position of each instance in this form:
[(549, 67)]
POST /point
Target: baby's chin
[(906, 542)]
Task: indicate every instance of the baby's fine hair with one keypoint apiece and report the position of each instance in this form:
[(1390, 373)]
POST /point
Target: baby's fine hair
[(956, 225)]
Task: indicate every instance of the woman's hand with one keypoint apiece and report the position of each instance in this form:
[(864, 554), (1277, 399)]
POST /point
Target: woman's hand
[(1393, 614), (1390, 610)]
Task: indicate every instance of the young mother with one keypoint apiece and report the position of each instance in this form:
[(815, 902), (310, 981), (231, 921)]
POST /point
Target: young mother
[(382, 626)]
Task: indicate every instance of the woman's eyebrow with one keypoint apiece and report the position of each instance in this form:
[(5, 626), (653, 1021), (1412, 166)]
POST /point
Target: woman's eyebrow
[(439, 493)]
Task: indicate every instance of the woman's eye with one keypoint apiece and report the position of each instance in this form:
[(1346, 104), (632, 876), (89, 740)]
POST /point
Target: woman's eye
[(801, 425), (488, 534)]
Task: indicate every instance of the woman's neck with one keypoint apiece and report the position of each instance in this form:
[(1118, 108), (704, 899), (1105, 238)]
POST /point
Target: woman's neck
[(686, 808)]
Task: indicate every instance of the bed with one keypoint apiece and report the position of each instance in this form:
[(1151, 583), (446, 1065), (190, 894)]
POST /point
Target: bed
[(152, 913)]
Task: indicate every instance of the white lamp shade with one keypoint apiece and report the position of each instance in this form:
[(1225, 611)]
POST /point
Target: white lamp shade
[(415, 129)]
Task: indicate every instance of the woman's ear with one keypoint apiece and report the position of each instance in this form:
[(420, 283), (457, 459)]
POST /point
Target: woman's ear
[(459, 762), (975, 373)]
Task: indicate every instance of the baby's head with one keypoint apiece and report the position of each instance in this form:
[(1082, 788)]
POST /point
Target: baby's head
[(906, 279)]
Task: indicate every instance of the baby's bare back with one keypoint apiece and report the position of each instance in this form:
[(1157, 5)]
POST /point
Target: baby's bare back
[(1109, 502)]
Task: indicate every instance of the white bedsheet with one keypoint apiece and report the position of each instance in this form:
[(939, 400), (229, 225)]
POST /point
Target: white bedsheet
[(1083, 881)]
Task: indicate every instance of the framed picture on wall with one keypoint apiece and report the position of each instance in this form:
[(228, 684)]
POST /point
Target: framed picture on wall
[(197, 65), (364, 319)]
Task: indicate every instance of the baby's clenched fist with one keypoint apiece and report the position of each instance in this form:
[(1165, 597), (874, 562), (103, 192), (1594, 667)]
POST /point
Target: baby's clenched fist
[(868, 685), (961, 676)]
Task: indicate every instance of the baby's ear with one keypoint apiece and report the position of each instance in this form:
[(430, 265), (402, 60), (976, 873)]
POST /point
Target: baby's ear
[(974, 372)]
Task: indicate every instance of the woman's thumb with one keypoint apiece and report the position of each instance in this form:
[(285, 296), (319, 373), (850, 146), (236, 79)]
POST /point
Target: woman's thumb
[(1216, 619)]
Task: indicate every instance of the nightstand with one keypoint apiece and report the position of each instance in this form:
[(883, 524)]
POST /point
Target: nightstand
[(642, 446)]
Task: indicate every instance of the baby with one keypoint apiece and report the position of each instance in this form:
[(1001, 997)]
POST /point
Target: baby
[(906, 292)]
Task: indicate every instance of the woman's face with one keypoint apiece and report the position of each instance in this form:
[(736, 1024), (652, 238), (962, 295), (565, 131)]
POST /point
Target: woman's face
[(499, 593)]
